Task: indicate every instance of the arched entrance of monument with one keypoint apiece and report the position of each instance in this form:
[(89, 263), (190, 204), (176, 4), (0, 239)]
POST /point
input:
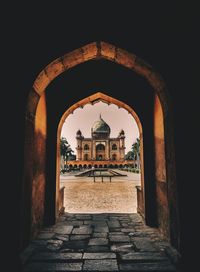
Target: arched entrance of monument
[(100, 152), (34, 182), (114, 157), (82, 194)]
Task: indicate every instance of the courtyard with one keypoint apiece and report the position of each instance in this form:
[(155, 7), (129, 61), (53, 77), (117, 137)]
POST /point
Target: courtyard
[(82, 195)]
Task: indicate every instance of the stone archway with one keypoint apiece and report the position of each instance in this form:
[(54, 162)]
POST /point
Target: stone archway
[(34, 181)]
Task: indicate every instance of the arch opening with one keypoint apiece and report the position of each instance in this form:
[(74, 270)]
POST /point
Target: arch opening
[(34, 183), (101, 153)]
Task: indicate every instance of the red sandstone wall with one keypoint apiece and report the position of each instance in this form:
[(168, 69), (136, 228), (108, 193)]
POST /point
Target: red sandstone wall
[(39, 153), (160, 169)]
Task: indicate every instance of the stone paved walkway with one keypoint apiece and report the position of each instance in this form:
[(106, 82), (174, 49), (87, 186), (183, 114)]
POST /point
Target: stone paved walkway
[(98, 242)]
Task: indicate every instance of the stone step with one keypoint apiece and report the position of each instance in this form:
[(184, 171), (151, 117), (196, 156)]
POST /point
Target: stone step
[(147, 267), (53, 267)]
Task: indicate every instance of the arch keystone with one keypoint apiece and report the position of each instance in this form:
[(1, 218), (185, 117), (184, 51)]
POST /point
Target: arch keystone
[(108, 51), (90, 51)]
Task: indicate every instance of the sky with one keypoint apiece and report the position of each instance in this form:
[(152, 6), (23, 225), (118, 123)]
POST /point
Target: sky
[(84, 119)]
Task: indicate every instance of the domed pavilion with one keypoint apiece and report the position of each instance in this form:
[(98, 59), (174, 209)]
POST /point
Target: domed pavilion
[(100, 147)]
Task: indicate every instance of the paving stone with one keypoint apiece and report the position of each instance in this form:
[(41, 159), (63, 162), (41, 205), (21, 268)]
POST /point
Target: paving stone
[(88, 222), (116, 233), (75, 245), (99, 217), (122, 248), (100, 265), (143, 256), (128, 230), (54, 245), (63, 229), (125, 221), (99, 224), (99, 256), (83, 217), (135, 217), (137, 234), (82, 230), (143, 244), (82, 242), (56, 256), (44, 266), (119, 238), (97, 249), (45, 235), (145, 267), (62, 237), (74, 223), (98, 242), (114, 230), (136, 224), (125, 225), (114, 224), (100, 235), (101, 229), (79, 237)]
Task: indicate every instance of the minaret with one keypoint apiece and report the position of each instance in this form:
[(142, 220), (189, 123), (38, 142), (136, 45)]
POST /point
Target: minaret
[(122, 144), (79, 138)]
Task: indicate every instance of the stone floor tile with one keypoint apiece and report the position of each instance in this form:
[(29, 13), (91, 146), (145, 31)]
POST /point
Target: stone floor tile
[(101, 256), (100, 265), (82, 230), (122, 248), (61, 237), (74, 223), (54, 245), (44, 256), (119, 238), (100, 235), (115, 233), (127, 230), (114, 229), (79, 237), (143, 244), (88, 222), (75, 246), (143, 256), (114, 224), (101, 229), (146, 267), (97, 249), (98, 242), (54, 267), (63, 229), (83, 217)]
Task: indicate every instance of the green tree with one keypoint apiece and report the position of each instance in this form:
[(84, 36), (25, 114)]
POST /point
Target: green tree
[(129, 156), (134, 153), (65, 150), (136, 149)]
